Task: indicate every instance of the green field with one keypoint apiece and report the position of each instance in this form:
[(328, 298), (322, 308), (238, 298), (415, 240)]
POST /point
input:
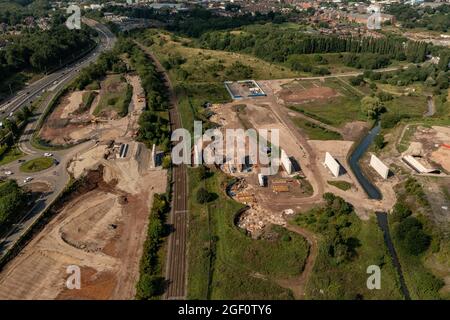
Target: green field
[(347, 246), (225, 263), (406, 139), (191, 97), (115, 96), (187, 63), (37, 164), (336, 111), (423, 271), (316, 132), (343, 185), (12, 154)]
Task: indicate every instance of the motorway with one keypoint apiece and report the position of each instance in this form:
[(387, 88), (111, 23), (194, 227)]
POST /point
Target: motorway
[(54, 80), (56, 176)]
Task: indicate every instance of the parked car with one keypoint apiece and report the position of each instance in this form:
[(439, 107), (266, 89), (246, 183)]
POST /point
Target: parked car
[(21, 161), (48, 154), (8, 173), (27, 179)]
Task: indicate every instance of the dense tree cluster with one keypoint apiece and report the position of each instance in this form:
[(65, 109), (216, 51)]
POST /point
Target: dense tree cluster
[(337, 224), (437, 19), (366, 61), (150, 282), (43, 50), (372, 106), (275, 44), (107, 61), (12, 200), (429, 74), (409, 230), (13, 12)]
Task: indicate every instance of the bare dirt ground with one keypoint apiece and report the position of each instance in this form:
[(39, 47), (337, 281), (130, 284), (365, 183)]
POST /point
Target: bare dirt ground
[(299, 95), (61, 124), (62, 127), (354, 130), (101, 230), (432, 144)]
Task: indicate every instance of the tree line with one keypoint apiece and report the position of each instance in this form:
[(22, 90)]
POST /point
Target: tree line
[(153, 126), (12, 201), (274, 44), (151, 283)]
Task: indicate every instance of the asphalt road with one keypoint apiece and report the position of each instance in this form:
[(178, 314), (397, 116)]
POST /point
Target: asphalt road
[(56, 176), (54, 80)]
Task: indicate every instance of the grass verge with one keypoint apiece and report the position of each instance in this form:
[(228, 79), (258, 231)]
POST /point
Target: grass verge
[(37, 164), (316, 132), (343, 185), (10, 154)]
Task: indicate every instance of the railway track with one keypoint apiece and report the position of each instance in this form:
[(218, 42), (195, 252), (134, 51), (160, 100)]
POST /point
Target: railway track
[(176, 263)]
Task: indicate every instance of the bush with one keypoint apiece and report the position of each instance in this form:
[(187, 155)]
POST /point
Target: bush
[(203, 196), (166, 162), (202, 172), (379, 142), (400, 212), (412, 237), (357, 81), (389, 120), (149, 286)]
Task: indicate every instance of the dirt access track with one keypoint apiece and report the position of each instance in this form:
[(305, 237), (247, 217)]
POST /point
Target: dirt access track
[(101, 229)]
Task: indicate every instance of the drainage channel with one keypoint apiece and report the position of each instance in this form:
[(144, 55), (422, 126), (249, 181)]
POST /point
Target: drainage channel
[(384, 226), (374, 193)]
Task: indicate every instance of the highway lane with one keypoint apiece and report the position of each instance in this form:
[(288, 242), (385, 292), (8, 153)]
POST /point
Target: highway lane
[(56, 176), (51, 81)]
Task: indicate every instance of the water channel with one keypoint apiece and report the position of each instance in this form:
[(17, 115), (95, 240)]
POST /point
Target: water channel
[(374, 193)]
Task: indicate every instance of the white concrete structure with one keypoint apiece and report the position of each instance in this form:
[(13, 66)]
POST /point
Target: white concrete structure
[(417, 166), (332, 164), (379, 166), (154, 156), (261, 180), (286, 162)]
